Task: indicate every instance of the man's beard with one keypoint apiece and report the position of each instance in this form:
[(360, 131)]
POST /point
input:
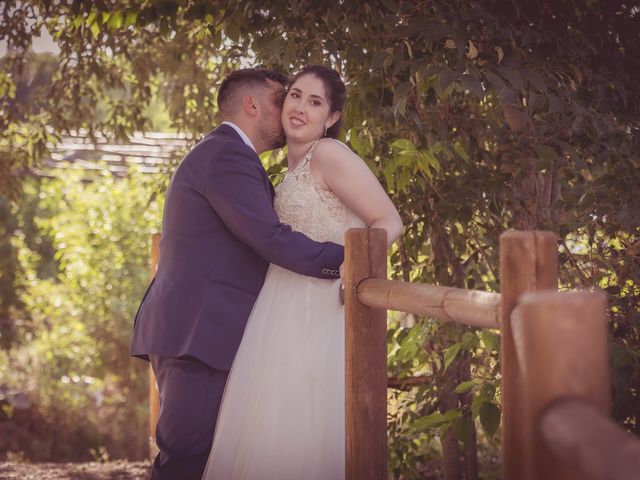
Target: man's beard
[(277, 139), (281, 141)]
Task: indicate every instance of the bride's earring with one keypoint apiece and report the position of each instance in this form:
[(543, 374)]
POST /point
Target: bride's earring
[(325, 132)]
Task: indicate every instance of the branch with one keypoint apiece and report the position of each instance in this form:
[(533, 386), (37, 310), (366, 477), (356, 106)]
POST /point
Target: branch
[(407, 383)]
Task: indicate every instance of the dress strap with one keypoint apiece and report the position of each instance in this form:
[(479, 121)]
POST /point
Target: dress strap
[(307, 157)]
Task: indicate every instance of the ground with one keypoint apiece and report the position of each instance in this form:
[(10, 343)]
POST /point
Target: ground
[(118, 470)]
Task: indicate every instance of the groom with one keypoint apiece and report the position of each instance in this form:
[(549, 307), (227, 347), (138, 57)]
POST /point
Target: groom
[(219, 234)]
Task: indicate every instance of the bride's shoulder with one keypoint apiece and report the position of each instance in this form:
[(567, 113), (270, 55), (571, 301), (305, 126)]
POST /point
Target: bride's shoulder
[(329, 150)]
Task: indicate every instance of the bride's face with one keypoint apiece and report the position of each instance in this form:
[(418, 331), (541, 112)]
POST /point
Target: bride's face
[(305, 113)]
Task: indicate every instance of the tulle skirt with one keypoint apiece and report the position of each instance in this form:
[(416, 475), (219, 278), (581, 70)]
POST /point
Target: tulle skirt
[(282, 416)]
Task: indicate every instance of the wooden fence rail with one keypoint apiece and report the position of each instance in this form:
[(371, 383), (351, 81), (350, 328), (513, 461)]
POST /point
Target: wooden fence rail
[(582, 435), (474, 308)]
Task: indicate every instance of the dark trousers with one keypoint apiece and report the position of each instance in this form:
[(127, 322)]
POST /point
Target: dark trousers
[(190, 397)]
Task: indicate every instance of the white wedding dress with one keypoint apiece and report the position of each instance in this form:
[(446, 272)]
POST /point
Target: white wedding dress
[(282, 415)]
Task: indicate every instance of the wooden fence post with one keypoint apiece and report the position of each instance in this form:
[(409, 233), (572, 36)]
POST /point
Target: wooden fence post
[(562, 342), (365, 359), (528, 262), (154, 395)]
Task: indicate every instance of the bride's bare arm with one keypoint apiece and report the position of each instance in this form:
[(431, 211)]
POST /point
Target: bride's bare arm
[(349, 178)]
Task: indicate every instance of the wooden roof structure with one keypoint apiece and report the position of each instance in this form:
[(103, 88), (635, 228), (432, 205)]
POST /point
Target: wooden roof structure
[(148, 152)]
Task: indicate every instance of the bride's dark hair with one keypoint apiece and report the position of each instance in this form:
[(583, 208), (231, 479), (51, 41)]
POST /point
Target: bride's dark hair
[(336, 92)]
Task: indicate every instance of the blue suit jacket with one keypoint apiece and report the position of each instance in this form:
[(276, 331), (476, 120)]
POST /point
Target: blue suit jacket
[(219, 234)]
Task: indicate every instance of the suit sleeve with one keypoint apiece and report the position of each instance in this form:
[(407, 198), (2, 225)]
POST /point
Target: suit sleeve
[(235, 188)]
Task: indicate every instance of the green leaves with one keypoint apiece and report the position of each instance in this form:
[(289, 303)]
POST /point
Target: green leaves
[(361, 142), (451, 353), (428, 163), (409, 156), (82, 254), (379, 59), (167, 8), (471, 83), (490, 340), (513, 76), (489, 418), (436, 419), (429, 31), (445, 77), (110, 20), (546, 154), (484, 407), (466, 386), (400, 97), (7, 87)]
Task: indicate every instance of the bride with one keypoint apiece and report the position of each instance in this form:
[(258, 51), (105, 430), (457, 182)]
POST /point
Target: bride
[(282, 416)]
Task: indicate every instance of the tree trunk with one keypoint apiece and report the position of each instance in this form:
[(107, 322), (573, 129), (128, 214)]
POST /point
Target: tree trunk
[(537, 196), (471, 455), (450, 272), (470, 451), (451, 467)]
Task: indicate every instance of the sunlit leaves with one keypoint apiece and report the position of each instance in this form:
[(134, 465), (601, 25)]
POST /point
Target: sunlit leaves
[(490, 340), (451, 353), (76, 350), (472, 51), (7, 86)]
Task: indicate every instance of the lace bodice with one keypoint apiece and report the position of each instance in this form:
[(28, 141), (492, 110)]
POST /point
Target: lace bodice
[(310, 208)]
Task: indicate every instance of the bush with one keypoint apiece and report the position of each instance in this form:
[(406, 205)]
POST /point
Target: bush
[(70, 355)]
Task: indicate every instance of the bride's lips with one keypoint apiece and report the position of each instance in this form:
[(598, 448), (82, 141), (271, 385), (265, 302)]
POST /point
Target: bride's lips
[(296, 122)]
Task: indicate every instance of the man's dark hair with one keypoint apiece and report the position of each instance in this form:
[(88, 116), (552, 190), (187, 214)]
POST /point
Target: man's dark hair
[(228, 98)]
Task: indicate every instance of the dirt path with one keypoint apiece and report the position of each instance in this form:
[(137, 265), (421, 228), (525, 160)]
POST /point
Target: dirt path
[(119, 470)]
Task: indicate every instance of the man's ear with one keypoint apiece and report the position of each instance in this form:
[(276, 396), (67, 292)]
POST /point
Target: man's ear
[(250, 105)]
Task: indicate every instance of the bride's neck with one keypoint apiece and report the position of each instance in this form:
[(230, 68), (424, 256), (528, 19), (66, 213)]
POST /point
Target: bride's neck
[(296, 153)]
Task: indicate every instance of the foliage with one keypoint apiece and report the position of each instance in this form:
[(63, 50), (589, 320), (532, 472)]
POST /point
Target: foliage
[(72, 354), (476, 116)]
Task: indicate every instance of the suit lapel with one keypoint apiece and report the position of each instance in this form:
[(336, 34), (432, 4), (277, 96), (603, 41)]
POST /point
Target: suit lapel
[(230, 132), (273, 190)]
